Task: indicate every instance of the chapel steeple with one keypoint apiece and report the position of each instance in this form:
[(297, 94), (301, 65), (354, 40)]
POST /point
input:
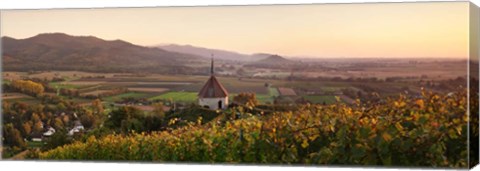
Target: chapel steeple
[(211, 67)]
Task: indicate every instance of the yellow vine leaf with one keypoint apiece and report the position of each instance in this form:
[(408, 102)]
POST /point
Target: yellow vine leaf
[(399, 126), (420, 103), (387, 137), (305, 144)]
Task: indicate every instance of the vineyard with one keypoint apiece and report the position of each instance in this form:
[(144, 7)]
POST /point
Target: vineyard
[(405, 131)]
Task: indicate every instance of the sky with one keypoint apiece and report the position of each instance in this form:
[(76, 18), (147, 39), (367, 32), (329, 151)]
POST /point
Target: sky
[(320, 30)]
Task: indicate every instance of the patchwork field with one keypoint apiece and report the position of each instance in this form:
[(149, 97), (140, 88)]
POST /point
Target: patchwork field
[(125, 95), (96, 92), (139, 89), (320, 99), (177, 96), (184, 88)]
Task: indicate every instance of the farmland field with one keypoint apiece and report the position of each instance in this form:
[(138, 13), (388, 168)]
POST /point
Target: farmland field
[(8, 96), (125, 95), (320, 99), (177, 96), (142, 90), (138, 89), (96, 92), (64, 85)]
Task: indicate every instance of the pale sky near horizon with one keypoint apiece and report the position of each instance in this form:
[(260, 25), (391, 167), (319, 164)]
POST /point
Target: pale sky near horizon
[(321, 30)]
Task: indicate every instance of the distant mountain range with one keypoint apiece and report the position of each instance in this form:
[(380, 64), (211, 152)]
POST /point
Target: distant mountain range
[(218, 54), (58, 51)]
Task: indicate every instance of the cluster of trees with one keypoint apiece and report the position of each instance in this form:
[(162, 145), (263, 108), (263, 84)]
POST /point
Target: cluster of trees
[(27, 87), (246, 99), (128, 118), (12, 136), (22, 121)]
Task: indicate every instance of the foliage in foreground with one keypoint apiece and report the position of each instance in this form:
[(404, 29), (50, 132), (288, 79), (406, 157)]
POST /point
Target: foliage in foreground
[(426, 131)]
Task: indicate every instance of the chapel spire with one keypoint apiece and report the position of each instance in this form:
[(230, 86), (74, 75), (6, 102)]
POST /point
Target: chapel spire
[(211, 67)]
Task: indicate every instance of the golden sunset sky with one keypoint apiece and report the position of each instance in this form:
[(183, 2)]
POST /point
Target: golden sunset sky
[(321, 30)]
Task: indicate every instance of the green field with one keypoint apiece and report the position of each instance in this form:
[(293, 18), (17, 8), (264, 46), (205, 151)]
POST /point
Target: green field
[(177, 96), (124, 95), (321, 99), (34, 144), (263, 98)]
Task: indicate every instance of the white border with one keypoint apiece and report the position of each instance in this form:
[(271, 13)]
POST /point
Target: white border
[(83, 166)]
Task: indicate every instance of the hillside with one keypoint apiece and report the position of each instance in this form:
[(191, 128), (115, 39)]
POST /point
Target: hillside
[(58, 51), (314, 134), (206, 52), (272, 61)]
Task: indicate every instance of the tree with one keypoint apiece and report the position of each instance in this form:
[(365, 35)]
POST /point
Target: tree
[(58, 124), (59, 138), (27, 128), (61, 107), (35, 118), (20, 106), (126, 118), (247, 99), (65, 119), (38, 108), (158, 110), (12, 136), (38, 127), (97, 106), (88, 120), (5, 107)]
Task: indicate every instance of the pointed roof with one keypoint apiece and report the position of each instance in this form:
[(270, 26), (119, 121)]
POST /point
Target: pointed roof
[(212, 88)]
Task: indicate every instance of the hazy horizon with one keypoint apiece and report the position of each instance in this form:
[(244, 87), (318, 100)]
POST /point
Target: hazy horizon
[(370, 30)]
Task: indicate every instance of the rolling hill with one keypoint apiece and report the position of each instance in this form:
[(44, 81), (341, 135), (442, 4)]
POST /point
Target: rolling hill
[(272, 61), (58, 51)]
